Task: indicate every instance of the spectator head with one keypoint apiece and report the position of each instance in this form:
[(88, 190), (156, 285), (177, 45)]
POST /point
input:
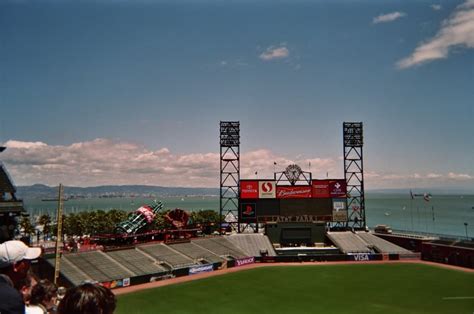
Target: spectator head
[(15, 259), (26, 285), (88, 299), (44, 293)]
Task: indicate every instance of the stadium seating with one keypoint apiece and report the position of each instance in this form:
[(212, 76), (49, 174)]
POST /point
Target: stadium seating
[(381, 245), (220, 246), (71, 272), (136, 261), (163, 253), (349, 242), (196, 252), (252, 244), (98, 265)]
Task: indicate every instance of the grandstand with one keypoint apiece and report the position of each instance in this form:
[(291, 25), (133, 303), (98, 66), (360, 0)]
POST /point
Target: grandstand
[(348, 242), (163, 253), (253, 244), (196, 252), (380, 245), (136, 262), (72, 273), (221, 246)]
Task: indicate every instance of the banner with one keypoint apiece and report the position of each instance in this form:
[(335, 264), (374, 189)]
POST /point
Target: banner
[(200, 269), (244, 261), (339, 210), (266, 189), (320, 189), (337, 188), (361, 257), (248, 189), (293, 191)]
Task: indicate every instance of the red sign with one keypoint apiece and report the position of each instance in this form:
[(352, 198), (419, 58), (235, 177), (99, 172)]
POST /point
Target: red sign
[(293, 191), (321, 189), (248, 189), (337, 188)]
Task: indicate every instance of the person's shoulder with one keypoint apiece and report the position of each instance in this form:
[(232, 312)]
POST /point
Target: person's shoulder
[(10, 299), (33, 309)]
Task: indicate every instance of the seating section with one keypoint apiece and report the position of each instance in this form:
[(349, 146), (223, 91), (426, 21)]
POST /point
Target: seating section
[(97, 266), (196, 252), (221, 246), (163, 253), (252, 244), (381, 245), (136, 261), (71, 272), (349, 242)]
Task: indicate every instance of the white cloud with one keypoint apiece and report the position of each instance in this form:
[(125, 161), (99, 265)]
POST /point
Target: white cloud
[(105, 161), (460, 176), (436, 7), (272, 53), (457, 30), (389, 17)]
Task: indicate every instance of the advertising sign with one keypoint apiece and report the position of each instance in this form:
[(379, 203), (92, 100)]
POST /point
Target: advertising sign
[(244, 261), (293, 191), (248, 189), (248, 210), (126, 282), (266, 189), (200, 269), (339, 210), (321, 189), (337, 188)]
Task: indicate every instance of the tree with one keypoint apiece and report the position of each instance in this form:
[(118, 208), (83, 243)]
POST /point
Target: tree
[(45, 221), (26, 226)]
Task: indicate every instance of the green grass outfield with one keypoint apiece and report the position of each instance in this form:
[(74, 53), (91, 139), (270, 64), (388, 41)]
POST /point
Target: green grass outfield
[(382, 288)]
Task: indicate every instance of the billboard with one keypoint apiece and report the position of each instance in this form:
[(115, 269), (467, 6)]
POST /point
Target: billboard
[(337, 188), (248, 210), (339, 210), (293, 191), (320, 189), (248, 189), (266, 189)]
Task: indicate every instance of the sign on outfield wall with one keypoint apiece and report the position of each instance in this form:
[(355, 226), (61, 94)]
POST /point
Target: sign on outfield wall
[(339, 210), (266, 189), (244, 261), (293, 191), (200, 269), (361, 257), (248, 189)]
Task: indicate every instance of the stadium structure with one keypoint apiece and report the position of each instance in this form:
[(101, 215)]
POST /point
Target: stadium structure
[(292, 217)]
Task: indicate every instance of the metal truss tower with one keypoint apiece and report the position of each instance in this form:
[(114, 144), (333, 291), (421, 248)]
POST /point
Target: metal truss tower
[(354, 174), (229, 173)]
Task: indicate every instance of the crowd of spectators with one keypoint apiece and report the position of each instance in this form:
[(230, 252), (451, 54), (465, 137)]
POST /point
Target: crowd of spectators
[(22, 292)]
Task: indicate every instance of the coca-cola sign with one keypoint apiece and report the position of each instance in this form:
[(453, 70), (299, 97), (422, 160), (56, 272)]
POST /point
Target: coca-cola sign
[(266, 189), (293, 191), (248, 189)]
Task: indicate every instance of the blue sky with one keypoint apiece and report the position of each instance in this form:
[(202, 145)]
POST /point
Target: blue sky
[(91, 77)]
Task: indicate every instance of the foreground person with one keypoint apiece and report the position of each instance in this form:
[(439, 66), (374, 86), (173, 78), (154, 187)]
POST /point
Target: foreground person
[(15, 259), (87, 299)]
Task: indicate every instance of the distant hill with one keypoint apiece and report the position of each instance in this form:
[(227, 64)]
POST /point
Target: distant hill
[(44, 191)]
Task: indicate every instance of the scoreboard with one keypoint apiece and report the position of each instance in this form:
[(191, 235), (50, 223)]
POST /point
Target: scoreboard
[(264, 201)]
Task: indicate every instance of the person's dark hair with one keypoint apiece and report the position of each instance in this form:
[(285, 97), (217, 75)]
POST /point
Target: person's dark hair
[(88, 299), (44, 290)]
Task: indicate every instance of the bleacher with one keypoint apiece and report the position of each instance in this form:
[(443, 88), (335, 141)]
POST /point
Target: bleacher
[(220, 246), (196, 252), (381, 245), (252, 244), (348, 242), (71, 272), (136, 261), (98, 266), (163, 253)]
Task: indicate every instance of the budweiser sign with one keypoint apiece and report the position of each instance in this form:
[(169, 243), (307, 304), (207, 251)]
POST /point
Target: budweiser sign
[(293, 191)]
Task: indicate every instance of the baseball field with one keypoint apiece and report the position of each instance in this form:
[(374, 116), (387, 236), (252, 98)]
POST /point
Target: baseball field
[(360, 288)]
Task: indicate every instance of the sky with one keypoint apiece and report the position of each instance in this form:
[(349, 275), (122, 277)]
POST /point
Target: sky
[(132, 92)]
